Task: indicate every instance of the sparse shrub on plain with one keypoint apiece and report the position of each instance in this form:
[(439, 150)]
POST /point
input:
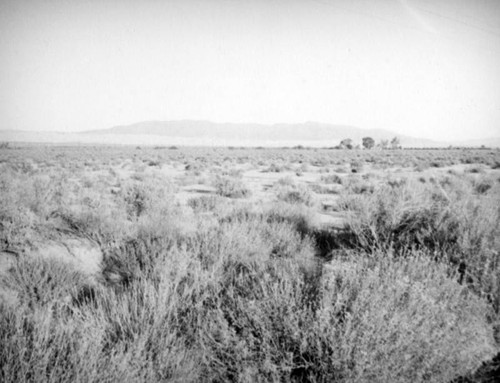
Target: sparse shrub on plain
[(154, 163), (482, 186), (357, 185), (341, 169), (356, 167), (135, 197), (204, 203), (331, 179), (326, 189), (437, 164), (295, 194), (231, 187), (274, 168), (475, 170)]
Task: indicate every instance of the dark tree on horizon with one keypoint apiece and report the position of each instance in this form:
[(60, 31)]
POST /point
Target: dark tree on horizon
[(368, 142)]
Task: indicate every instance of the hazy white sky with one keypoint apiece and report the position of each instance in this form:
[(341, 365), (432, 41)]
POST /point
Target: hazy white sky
[(428, 68)]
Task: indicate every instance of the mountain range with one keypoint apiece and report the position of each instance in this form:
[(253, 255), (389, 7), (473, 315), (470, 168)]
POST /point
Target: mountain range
[(196, 132)]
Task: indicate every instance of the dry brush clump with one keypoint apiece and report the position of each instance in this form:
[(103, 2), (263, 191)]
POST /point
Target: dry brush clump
[(206, 203), (449, 218), (232, 187), (294, 193), (401, 320)]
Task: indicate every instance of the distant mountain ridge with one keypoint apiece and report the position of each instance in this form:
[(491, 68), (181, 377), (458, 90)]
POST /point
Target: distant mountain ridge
[(309, 131), (207, 133)]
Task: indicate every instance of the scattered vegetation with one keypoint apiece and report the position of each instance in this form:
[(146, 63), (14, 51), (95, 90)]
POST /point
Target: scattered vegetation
[(231, 187), (193, 286), (294, 193)]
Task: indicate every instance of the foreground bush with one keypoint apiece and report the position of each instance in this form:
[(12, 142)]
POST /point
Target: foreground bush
[(447, 218), (402, 320), (245, 300)]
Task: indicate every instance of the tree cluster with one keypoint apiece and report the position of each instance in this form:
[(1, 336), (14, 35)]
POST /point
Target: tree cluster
[(369, 143)]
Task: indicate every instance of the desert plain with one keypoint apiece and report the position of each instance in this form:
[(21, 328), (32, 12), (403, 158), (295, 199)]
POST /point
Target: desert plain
[(214, 264)]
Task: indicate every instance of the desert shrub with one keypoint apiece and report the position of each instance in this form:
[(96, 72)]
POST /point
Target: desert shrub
[(357, 185), (341, 169), (285, 181), (39, 281), (437, 164), (205, 203), (38, 193), (147, 196), (295, 194), (156, 163), (422, 165), (326, 189), (400, 217), (231, 187), (17, 223), (356, 167), (274, 168), (398, 182), (482, 185), (400, 320), (135, 197), (129, 336), (253, 235), (254, 304), (26, 205), (232, 173), (331, 179), (301, 217), (38, 347), (477, 169), (102, 221), (136, 258), (256, 326), (194, 168), (444, 218)]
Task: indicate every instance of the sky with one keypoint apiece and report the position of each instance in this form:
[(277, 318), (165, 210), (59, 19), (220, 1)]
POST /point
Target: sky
[(424, 68)]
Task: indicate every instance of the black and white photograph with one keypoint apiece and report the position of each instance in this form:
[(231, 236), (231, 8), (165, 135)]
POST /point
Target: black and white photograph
[(250, 191)]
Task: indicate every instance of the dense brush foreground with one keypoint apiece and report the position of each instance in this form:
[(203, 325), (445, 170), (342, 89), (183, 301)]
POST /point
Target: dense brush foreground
[(223, 290)]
